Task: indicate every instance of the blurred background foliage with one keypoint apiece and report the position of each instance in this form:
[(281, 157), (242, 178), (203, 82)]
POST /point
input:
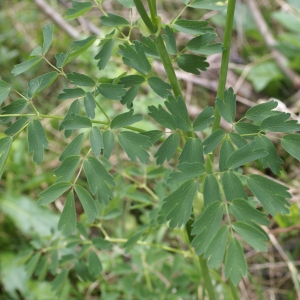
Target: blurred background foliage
[(32, 250)]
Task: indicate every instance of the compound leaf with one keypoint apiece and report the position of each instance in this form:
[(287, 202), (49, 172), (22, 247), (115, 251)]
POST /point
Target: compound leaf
[(204, 119), (227, 107), (114, 20), (233, 187), (67, 220), (4, 91), (53, 192), (74, 147), (211, 190), (211, 142), (160, 87), (111, 91), (47, 35), (291, 144), (96, 141), (125, 119), (280, 123), (66, 170), (162, 117), (80, 79), (192, 151), (5, 145), (78, 9), (192, 26), (192, 63)]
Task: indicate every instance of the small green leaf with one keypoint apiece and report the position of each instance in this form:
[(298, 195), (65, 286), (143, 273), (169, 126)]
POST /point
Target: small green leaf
[(246, 128), (204, 119), (207, 226), (127, 3), (32, 264), (113, 20), (67, 169), (37, 141), (130, 96), (211, 190), (17, 126), (192, 27), (291, 144), (149, 47), (101, 244), (26, 65), (5, 145), (79, 47), (177, 207), (89, 105), (13, 108), (211, 142), (201, 44), (132, 241), (104, 53), (44, 80), (61, 59), (37, 51), (244, 212), (246, 154), (98, 179), (251, 235), (238, 140), (76, 122), (59, 280), (227, 107), (78, 9), (270, 194), (170, 40), (178, 109), (216, 248), (80, 79), (111, 91), (208, 4), (131, 80), (272, 159), (167, 149), (125, 119), (87, 202), (192, 151), (192, 63), (135, 57), (109, 142), (67, 220), (154, 135), (94, 264), (53, 192), (160, 87), (74, 147), (134, 144), (225, 151), (47, 35), (280, 123), (73, 110), (4, 90), (71, 93), (233, 187), (235, 262), (96, 141), (162, 117), (261, 111)]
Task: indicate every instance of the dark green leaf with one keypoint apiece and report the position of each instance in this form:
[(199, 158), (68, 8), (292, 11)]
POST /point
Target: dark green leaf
[(79, 47), (125, 119), (170, 41), (53, 192), (238, 140), (211, 190), (32, 264), (114, 20), (73, 110), (244, 212), (246, 128), (216, 248), (261, 111), (5, 145), (96, 141), (134, 56), (98, 179), (204, 119), (233, 187), (160, 87), (280, 123), (71, 93), (127, 3), (270, 194), (78, 9), (167, 149), (227, 107), (192, 26), (251, 235), (177, 207), (101, 244), (207, 226), (37, 51), (272, 159), (178, 109), (246, 154), (67, 221), (67, 169), (59, 280), (4, 91), (134, 144), (104, 53), (94, 264), (17, 126), (61, 59), (131, 80), (291, 144), (211, 142), (192, 151), (74, 147), (76, 122), (235, 262), (200, 44), (44, 80), (89, 105), (26, 65), (87, 202), (132, 241), (154, 135), (111, 91), (109, 142), (130, 96), (192, 63), (47, 35), (162, 117), (13, 108), (149, 47), (37, 141), (80, 79), (208, 4), (225, 151)]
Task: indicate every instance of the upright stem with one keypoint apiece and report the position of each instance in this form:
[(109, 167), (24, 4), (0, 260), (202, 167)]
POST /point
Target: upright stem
[(141, 9)]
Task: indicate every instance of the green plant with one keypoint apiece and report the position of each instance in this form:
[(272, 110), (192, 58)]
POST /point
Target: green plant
[(227, 212)]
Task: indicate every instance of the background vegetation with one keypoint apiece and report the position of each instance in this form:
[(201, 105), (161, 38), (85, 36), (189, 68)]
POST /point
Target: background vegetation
[(262, 67)]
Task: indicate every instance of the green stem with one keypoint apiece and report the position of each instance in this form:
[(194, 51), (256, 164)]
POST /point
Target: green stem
[(141, 9), (208, 284), (152, 8)]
